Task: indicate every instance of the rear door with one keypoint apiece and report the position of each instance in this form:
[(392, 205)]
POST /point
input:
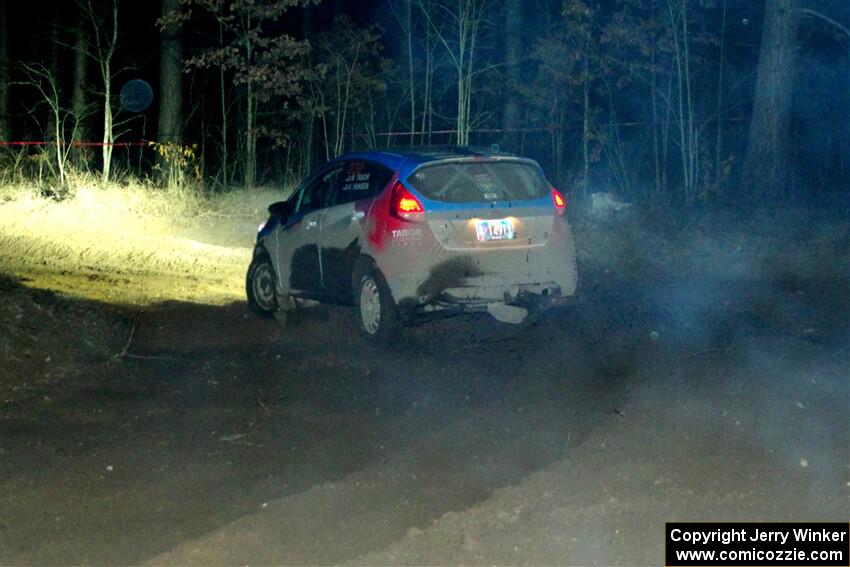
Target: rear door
[(359, 182), (299, 266)]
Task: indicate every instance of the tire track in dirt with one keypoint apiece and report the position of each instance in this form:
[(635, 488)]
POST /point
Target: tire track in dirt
[(405, 492)]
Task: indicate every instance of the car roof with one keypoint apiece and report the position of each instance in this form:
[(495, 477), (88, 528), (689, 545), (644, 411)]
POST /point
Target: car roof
[(405, 159)]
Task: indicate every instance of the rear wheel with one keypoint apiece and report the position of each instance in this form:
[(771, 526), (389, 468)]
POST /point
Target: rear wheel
[(260, 287), (377, 314)]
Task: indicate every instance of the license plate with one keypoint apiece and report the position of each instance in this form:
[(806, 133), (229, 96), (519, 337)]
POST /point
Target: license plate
[(501, 229)]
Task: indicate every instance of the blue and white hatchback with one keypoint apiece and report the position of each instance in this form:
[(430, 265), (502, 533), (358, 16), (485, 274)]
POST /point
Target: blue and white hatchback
[(412, 233)]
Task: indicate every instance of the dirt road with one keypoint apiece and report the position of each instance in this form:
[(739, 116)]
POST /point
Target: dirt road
[(220, 438)]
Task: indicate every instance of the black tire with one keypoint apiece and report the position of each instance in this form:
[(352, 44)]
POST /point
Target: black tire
[(376, 312), (260, 285)]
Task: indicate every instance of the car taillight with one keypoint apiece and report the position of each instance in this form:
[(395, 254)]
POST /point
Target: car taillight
[(404, 204), (560, 202)]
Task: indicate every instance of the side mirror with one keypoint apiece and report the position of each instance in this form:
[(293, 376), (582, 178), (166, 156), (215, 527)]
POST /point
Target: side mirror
[(281, 209)]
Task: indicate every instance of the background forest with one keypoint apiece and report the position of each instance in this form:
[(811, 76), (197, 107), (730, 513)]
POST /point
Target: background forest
[(669, 103)]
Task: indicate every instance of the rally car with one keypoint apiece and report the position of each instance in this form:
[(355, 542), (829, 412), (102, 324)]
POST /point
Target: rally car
[(409, 234)]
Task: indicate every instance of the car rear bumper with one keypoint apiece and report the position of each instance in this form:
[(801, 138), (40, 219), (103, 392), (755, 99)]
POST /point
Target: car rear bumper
[(425, 276), (533, 296)]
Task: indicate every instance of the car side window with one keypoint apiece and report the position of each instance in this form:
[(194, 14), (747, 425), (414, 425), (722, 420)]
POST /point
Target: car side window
[(316, 194), (360, 179)]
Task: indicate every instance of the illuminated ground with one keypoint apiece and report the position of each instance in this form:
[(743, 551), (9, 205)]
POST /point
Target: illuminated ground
[(697, 389), (133, 245)]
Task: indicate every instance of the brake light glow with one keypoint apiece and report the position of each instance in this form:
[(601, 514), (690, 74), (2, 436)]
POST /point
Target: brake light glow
[(409, 205), (560, 203), (404, 204)]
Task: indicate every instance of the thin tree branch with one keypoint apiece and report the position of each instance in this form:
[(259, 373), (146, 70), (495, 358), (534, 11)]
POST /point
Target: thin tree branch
[(827, 19)]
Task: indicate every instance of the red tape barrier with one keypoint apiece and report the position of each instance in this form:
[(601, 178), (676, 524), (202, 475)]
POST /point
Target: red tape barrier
[(75, 144)]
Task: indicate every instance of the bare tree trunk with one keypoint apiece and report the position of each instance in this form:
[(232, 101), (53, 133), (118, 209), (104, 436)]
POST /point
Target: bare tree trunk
[(513, 54), (765, 165), (560, 135), (79, 102), (5, 130), (408, 16), (685, 105), (473, 44), (429, 95), (369, 126), (78, 94), (665, 136), (658, 146), (469, 16), (462, 31), (693, 149), (585, 128), (343, 97), (680, 91), (653, 86), (249, 179), (53, 68), (170, 127), (308, 146), (223, 96), (427, 107), (250, 139), (108, 137), (105, 42), (718, 149)]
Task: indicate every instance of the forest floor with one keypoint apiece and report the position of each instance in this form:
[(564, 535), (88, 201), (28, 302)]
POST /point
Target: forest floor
[(703, 373)]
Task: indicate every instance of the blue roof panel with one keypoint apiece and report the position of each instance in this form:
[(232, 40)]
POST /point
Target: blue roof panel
[(404, 159)]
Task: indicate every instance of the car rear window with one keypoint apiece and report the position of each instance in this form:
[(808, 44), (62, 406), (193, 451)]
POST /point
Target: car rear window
[(470, 182)]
